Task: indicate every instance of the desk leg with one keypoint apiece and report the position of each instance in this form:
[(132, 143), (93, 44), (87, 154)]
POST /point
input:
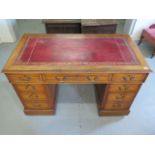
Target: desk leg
[(115, 99), (37, 99)]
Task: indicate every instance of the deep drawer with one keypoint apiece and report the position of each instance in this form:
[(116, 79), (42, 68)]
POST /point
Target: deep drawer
[(37, 105), (116, 105)]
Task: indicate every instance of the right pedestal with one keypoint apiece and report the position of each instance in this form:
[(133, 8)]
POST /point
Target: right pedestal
[(115, 99)]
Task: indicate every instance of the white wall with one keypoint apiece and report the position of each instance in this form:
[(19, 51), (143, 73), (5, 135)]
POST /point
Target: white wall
[(129, 26), (7, 33), (140, 24)]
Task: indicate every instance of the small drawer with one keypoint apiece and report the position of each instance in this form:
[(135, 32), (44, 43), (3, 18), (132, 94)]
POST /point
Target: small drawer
[(28, 95), (128, 97), (30, 87), (128, 78), (37, 105), (116, 105), (123, 88), (24, 78)]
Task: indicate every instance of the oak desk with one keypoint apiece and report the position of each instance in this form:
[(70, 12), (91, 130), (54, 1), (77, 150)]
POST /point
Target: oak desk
[(113, 63)]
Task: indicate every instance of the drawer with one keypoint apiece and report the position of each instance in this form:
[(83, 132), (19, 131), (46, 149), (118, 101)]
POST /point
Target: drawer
[(30, 95), (79, 78), (29, 87), (116, 105), (123, 88), (24, 78), (37, 105), (121, 97), (128, 78)]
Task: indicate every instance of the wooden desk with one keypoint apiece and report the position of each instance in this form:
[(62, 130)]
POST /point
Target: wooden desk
[(113, 63)]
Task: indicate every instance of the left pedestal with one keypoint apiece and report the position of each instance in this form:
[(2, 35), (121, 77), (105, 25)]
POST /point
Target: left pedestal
[(37, 99)]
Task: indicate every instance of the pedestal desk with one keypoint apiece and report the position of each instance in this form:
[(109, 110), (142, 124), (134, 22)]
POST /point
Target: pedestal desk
[(112, 62)]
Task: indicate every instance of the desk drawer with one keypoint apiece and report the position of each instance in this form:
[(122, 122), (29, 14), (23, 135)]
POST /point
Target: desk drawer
[(79, 78), (30, 87), (123, 87), (33, 95), (132, 78), (116, 105), (37, 105), (24, 78), (128, 97)]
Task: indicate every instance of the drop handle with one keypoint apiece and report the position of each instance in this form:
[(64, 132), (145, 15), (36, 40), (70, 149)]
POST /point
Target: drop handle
[(92, 78), (60, 78), (128, 78), (120, 97), (123, 88), (25, 78)]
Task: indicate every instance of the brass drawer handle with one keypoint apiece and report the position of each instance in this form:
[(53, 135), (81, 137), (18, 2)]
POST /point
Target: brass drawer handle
[(25, 78), (30, 88), (33, 95), (63, 78), (128, 78), (123, 88), (60, 78), (120, 97), (92, 78)]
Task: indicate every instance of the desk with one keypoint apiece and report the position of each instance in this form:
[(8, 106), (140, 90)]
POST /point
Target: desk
[(40, 62)]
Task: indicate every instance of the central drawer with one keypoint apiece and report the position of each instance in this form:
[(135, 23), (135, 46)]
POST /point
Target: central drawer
[(55, 78), (76, 78)]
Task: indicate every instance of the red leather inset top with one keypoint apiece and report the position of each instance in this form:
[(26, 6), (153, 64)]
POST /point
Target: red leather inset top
[(77, 51)]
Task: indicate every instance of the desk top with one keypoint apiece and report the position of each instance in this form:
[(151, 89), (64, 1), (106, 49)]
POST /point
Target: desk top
[(76, 52)]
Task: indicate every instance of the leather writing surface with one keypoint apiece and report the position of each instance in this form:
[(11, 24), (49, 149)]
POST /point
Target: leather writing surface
[(80, 51)]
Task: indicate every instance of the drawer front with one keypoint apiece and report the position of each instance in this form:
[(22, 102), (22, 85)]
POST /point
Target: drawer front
[(33, 96), (132, 78), (24, 78), (58, 78), (72, 78), (116, 105), (29, 87), (123, 88), (128, 97), (37, 105)]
